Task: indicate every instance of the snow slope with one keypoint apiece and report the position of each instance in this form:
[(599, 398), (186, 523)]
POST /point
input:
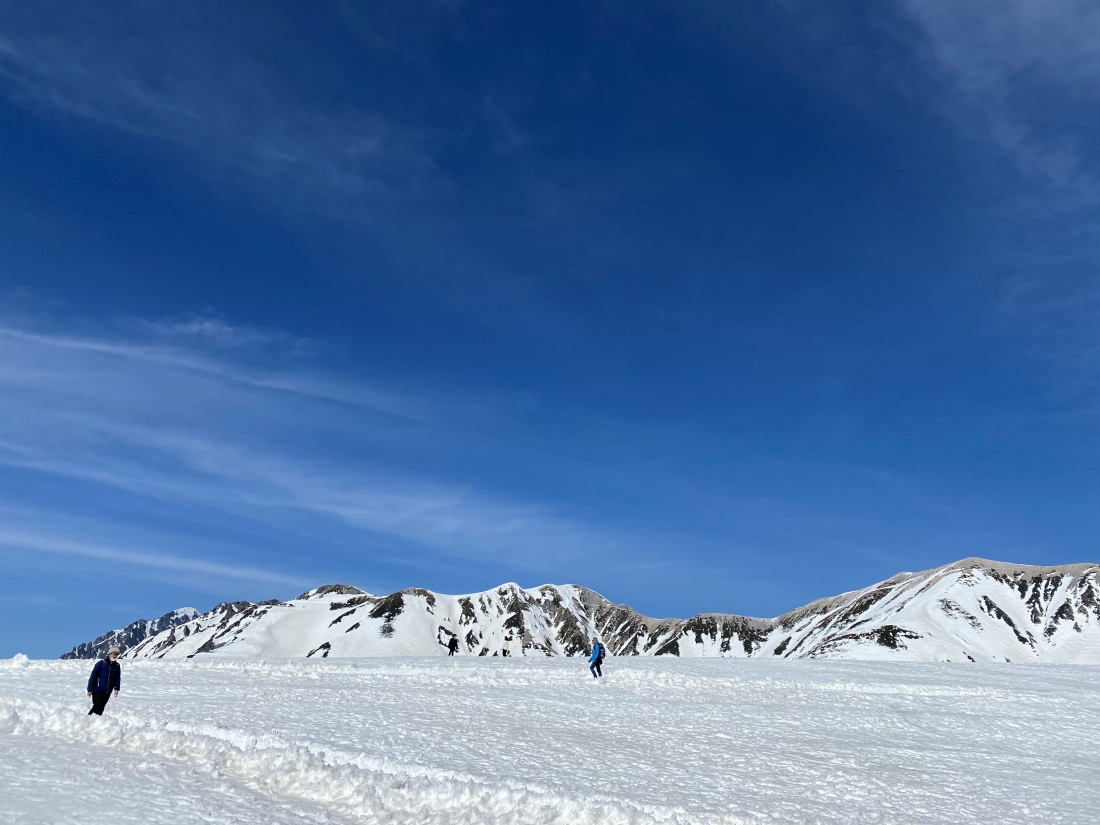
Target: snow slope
[(485, 741), (973, 610), (131, 635)]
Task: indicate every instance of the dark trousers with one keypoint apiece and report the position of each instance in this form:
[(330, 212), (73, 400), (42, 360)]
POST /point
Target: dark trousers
[(450, 651), (595, 668), (99, 702)]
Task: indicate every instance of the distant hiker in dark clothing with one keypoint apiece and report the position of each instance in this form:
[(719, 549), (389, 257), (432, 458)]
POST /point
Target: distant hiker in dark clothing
[(452, 645), (106, 676), (596, 659)]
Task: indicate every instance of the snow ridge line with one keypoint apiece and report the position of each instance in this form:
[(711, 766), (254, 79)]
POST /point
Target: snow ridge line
[(369, 790)]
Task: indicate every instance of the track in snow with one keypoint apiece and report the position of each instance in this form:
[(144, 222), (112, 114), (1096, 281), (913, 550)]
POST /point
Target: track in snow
[(536, 741)]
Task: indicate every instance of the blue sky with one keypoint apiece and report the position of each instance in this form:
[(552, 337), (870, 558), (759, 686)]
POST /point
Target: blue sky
[(707, 306)]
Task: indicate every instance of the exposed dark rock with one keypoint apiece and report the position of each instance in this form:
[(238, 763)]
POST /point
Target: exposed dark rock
[(208, 647), (388, 608), (340, 589), (888, 635), (1063, 614), (863, 604), (429, 597), (468, 614), (670, 649), (355, 601), (133, 634), (993, 610), (954, 609), (341, 617)]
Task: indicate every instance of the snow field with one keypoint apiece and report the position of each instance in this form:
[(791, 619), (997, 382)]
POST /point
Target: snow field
[(538, 741)]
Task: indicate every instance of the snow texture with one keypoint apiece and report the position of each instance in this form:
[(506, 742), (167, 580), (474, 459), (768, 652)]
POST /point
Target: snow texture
[(536, 740), (973, 610)]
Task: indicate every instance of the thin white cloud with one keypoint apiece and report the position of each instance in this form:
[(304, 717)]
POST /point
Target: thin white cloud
[(1022, 76), (177, 426), (216, 332), (181, 357), (1004, 63), (144, 70), (48, 544)]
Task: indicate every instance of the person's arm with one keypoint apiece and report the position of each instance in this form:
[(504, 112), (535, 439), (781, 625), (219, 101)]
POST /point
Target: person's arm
[(118, 679), (92, 678)]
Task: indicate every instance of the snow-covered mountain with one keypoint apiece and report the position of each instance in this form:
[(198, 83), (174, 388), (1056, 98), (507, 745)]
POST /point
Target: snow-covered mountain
[(973, 610), (132, 634)]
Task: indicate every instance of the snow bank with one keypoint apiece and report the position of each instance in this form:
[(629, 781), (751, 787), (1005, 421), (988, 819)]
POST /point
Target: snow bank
[(538, 741), (367, 789)]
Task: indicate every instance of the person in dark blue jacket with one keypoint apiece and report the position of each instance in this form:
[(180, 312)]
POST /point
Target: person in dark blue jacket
[(597, 658), (106, 676)]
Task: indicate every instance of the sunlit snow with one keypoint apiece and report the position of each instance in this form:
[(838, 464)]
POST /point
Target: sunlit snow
[(472, 740)]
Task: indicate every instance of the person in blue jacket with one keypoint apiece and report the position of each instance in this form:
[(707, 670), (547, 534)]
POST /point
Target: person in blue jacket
[(596, 659), (106, 676)]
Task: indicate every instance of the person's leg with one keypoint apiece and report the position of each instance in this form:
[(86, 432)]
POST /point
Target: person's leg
[(599, 667), (99, 702), (592, 667)]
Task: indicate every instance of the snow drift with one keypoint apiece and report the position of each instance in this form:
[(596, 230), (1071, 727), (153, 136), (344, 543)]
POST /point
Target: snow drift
[(537, 741)]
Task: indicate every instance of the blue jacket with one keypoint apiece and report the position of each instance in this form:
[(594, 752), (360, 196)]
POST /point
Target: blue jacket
[(597, 652), (106, 676)]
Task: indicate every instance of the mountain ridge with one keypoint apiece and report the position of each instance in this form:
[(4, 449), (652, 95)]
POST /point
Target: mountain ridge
[(132, 634), (973, 609)]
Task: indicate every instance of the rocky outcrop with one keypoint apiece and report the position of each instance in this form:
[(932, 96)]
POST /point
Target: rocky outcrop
[(131, 635)]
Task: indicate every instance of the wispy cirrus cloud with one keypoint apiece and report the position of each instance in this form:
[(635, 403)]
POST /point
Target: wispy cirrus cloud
[(1022, 78), (1014, 73), (1004, 92), (1012, 76), (195, 428), (175, 78), (185, 346), (39, 543)]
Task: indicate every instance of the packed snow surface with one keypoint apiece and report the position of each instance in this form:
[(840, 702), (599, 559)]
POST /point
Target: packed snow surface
[(475, 740)]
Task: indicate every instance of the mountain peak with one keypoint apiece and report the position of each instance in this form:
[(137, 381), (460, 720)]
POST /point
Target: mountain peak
[(131, 635), (325, 590)]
